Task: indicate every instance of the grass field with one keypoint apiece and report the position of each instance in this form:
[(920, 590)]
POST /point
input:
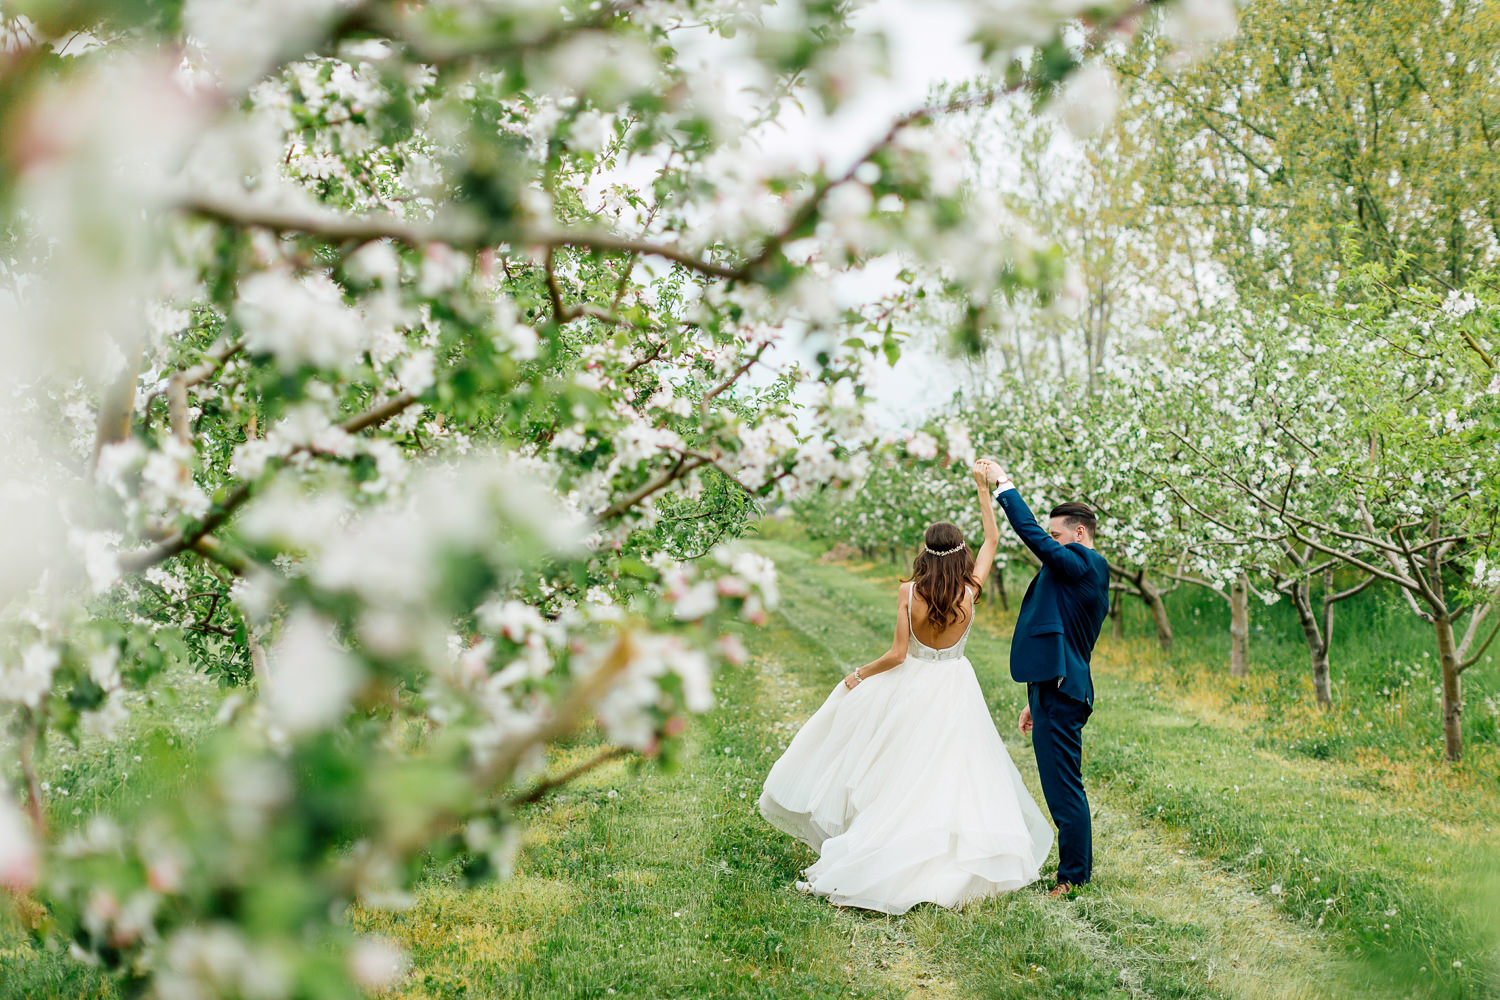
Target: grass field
[(1245, 847)]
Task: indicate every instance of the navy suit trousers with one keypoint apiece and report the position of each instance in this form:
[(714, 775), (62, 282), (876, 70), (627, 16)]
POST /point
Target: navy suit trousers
[(1057, 737)]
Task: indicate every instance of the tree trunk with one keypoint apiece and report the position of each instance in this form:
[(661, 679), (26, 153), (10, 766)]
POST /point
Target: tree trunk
[(1317, 648), (1114, 612), (1239, 627), (1322, 678), (1453, 704), (1153, 600), (1329, 597), (997, 574)]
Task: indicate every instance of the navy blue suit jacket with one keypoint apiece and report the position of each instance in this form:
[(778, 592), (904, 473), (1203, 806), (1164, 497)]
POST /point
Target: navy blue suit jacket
[(1063, 610)]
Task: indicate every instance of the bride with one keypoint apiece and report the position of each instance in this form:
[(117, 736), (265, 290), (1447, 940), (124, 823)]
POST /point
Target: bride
[(900, 780)]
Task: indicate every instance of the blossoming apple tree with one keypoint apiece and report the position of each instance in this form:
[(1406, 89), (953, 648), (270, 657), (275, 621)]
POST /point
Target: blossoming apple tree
[(1363, 437)]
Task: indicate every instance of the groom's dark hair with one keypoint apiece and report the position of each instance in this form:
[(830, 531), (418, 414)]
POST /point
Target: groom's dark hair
[(1077, 512)]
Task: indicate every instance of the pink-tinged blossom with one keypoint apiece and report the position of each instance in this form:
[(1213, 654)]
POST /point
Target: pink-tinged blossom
[(20, 861), (733, 649), (698, 601), (922, 446)]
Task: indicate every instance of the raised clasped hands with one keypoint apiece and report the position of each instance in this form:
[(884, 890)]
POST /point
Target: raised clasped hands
[(987, 472)]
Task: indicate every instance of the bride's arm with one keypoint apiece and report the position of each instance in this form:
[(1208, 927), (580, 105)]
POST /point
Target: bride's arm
[(897, 653), (986, 557)]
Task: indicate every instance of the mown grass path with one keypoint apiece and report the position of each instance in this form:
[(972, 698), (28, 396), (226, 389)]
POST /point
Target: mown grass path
[(1223, 870)]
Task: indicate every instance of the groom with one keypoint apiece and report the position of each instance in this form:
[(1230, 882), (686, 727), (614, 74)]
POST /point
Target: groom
[(1058, 624)]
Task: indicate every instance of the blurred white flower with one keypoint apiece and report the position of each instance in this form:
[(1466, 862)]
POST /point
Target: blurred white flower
[(100, 552), (218, 960), (1197, 24), (512, 337), (299, 321), (106, 720), (377, 963), (960, 446), (442, 268), (92, 154), (1087, 100), (312, 678), (699, 600), (760, 573), (512, 619), (243, 39), (734, 649), (417, 372), (1486, 577), (28, 681), (589, 132), (376, 261)]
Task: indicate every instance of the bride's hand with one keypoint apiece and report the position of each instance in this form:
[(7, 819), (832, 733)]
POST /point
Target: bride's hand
[(852, 680)]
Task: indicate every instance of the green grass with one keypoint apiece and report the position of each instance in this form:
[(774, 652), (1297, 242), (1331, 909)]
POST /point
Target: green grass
[(1229, 862), (104, 776)]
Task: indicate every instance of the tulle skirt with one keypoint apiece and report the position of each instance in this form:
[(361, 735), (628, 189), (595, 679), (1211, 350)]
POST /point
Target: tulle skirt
[(905, 789)]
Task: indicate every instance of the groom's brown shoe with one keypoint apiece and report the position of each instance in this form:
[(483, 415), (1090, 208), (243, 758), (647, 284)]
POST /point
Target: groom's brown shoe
[(1061, 889)]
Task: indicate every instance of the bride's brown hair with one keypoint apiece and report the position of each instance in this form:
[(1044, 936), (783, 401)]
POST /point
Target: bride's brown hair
[(940, 579)]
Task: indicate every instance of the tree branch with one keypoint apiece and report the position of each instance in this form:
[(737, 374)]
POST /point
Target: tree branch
[(734, 376), (135, 562), (564, 314), (28, 773), (550, 784), (1470, 661), (679, 468), (1345, 594)]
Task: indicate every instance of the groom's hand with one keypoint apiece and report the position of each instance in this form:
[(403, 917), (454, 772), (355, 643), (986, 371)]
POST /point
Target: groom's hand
[(993, 471), (1025, 722)]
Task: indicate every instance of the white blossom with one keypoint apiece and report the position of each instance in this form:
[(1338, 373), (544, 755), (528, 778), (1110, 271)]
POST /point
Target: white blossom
[(241, 40), (377, 963), (1196, 24), (1459, 304), (299, 321), (1087, 100), (312, 678), (28, 681)]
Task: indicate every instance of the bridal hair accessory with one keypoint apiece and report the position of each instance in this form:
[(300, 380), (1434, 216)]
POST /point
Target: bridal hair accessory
[(942, 552)]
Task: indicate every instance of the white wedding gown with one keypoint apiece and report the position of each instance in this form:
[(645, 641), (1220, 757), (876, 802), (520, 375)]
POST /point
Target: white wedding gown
[(906, 790)]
